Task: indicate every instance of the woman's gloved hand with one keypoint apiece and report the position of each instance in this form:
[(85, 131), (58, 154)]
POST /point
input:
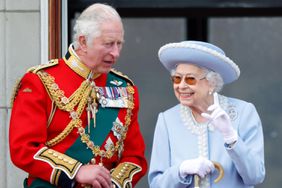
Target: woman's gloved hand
[(200, 166), (221, 121)]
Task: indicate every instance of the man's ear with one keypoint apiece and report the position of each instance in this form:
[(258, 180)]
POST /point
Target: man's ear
[(82, 43)]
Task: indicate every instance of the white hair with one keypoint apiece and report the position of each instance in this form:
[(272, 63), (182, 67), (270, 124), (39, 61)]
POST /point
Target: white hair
[(214, 78), (89, 22)]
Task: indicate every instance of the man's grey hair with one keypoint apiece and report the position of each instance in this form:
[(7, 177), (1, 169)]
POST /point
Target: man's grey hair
[(89, 22)]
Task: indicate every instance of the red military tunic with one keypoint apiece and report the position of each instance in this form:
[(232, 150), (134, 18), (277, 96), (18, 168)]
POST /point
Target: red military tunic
[(52, 131)]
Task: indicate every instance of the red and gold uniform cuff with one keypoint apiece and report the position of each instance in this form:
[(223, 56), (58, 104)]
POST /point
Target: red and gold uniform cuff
[(59, 161), (123, 174)]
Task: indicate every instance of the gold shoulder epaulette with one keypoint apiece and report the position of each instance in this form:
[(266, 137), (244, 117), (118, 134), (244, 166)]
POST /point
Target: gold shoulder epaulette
[(120, 74), (37, 68), (33, 69), (123, 174)]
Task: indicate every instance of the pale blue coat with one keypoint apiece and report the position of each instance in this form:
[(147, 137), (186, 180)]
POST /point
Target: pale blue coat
[(173, 143)]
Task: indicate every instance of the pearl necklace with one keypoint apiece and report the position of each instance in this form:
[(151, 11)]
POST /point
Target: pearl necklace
[(190, 122), (201, 130)]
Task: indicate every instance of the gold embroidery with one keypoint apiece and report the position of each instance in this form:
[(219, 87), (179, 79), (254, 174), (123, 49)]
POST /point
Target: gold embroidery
[(51, 114), (118, 73), (58, 161), (55, 176), (79, 98), (77, 66), (64, 103), (96, 150), (32, 69), (37, 68), (27, 90), (122, 175)]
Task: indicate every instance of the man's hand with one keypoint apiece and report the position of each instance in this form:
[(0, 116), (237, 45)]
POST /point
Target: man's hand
[(95, 175)]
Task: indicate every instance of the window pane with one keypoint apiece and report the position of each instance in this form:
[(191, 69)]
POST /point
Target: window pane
[(139, 60), (255, 45)]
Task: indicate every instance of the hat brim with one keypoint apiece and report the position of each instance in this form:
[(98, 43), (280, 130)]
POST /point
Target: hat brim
[(171, 57)]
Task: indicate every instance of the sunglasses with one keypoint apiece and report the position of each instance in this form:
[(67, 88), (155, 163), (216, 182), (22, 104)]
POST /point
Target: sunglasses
[(190, 80)]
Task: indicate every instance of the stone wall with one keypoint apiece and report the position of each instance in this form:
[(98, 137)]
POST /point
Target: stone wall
[(19, 50)]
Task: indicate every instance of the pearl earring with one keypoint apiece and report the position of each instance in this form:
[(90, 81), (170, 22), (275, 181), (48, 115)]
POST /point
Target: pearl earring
[(210, 92)]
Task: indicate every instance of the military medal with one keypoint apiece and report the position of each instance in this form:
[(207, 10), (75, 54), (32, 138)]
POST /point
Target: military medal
[(116, 97), (84, 98), (109, 144), (116, 82), (118, 128)]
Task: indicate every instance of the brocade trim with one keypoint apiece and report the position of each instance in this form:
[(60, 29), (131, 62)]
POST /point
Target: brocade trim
[(58, 161), (122, 75), (74, 62), (122, 175), (96, 150), (55, 176), (80, 99), (37, 68)]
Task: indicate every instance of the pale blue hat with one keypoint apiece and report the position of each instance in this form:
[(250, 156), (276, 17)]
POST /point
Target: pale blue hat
[(202, 54)]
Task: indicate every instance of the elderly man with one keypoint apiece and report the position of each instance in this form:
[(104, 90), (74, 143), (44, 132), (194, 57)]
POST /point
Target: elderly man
[(74, 121)]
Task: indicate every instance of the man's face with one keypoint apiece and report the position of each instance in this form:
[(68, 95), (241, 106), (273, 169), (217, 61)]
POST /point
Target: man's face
[(103, 51)]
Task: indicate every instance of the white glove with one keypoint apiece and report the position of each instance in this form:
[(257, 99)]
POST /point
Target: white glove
[(221, 121), (200, 166)]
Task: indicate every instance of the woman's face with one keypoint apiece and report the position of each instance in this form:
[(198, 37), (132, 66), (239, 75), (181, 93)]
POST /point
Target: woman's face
[(195, 93)]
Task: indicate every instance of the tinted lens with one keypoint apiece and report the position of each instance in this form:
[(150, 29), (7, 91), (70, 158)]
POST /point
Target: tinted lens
[(176, 79), (190, 80)]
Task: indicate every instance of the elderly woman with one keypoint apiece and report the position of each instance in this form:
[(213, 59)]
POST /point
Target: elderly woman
[(208, 140)]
